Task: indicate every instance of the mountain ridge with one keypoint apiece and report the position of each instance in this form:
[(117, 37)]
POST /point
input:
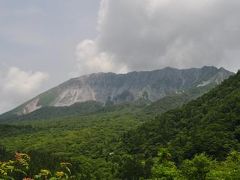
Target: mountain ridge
[(121, 88)]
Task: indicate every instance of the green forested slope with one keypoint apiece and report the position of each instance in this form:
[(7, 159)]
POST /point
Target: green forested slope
[(210, 124), (83, 129), (84, 139), (126, 142), (77, 109), (175, 100)]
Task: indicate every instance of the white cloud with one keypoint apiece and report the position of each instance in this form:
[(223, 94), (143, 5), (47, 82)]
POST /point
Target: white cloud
[(91, 60), (18, 86), (151, 34)]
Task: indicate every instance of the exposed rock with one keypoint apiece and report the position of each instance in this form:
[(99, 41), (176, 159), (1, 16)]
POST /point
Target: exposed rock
[(119, 88)]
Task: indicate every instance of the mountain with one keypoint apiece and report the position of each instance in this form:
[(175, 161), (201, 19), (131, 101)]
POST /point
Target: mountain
[(122, 141), (120, 88), (142, 107)]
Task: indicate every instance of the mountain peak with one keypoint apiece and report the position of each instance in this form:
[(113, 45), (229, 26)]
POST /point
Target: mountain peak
[(120, 88)]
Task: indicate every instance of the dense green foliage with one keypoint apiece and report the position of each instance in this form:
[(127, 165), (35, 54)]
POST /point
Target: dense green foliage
[(13, 130), (84, 140), (200, 140), (201, 167), (20, 167), (209, 124)]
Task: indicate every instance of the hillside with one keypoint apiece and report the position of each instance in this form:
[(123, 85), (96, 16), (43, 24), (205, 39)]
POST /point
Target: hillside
[(176, 100), (83, 140), (49, 112), (121, 88), (209, 124), (127, 141)]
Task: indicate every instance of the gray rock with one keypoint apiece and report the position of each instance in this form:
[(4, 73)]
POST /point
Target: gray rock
[(120, 88)]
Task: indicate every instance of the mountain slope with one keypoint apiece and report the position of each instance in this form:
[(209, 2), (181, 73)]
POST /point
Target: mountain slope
[(176, 100), (210, 124), (114, 140), (77, 109), (120, 88)]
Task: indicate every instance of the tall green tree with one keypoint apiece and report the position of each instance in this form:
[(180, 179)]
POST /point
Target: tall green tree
[(164, 167), (197, 168)]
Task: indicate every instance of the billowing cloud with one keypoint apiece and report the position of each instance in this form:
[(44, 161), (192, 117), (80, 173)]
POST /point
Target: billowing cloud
[(18, 85), (90, 59), (151, 34)]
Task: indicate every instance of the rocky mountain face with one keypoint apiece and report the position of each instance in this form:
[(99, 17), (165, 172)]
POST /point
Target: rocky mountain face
[(120, 88)]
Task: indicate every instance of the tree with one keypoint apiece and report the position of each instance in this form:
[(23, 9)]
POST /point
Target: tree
[(197, 168), (229, 169), (163, 167), (3, 152), (131, 168)]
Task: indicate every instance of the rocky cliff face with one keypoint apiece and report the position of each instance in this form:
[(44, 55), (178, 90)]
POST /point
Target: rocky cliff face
[(119, 88)]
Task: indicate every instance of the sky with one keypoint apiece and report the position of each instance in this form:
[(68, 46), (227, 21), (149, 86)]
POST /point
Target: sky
[(44, 43)]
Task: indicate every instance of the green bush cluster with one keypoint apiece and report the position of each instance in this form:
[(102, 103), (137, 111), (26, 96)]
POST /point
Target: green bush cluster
[(19, 169)]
